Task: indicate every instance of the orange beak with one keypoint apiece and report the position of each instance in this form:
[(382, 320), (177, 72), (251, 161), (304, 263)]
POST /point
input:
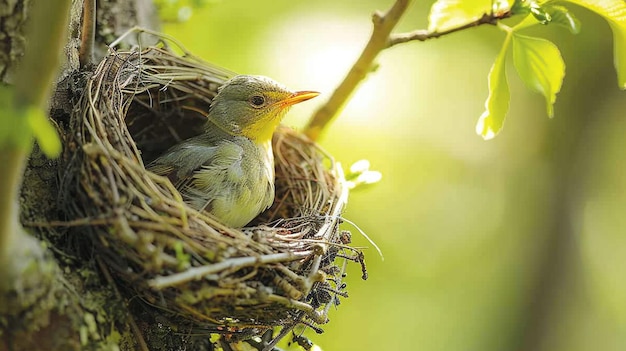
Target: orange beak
[(298, 97)]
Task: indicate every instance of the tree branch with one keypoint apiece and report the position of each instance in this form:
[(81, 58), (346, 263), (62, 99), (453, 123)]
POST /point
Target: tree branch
[(87, 33), (381, 39), (383, 25), (424, 34), (12, 159)]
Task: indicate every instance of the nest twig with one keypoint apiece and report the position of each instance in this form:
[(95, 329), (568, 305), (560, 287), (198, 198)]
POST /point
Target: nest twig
[(281, 271)]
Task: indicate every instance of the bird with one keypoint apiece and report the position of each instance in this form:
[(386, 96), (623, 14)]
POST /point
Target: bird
[(228, 169)]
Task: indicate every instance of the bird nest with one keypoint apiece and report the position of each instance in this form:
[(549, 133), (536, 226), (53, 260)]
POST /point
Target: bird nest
[(284, 270)]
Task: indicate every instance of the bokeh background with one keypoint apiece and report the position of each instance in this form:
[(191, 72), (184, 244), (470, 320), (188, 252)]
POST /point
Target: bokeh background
[(518, 243)]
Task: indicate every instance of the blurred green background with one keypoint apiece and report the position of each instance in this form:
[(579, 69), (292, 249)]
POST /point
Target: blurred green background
[(518, 243)]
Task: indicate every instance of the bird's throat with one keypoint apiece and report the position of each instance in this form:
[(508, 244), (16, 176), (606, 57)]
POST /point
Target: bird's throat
[(261, 132)]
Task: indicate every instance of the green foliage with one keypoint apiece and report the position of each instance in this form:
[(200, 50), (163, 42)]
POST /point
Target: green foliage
[(44, 132), (539, 64), (497, 104), (538, 61), (20, 124)]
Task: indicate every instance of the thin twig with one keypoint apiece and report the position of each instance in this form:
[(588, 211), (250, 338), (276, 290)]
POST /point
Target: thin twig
[(383, 25), (424, 34), (87, 33), (239, 262)]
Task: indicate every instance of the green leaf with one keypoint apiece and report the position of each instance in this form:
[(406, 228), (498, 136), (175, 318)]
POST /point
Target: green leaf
[(20, 124), (562, 17), (44, 132), (614, 11), (447, 14), (539, 64), (497, 104)]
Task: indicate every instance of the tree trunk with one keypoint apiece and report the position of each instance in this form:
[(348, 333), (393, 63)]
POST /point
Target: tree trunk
[(52, 300)]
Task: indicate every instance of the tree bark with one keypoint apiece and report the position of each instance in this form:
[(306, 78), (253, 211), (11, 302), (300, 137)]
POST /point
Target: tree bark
[(50, 300)]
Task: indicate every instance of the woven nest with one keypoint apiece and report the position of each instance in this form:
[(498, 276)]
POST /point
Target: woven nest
[(284, 270)]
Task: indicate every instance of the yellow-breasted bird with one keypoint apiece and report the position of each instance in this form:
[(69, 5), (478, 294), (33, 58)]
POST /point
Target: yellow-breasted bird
[(228, 170)]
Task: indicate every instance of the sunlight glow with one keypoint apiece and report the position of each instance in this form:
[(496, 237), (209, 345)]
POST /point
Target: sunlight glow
[(332, 46)]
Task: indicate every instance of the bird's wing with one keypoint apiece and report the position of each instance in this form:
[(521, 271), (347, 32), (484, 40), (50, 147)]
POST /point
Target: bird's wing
[(215, 178), (179, 162), (201, 172)]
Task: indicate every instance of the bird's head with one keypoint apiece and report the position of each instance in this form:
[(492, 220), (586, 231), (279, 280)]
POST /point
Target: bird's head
[(253, 106)]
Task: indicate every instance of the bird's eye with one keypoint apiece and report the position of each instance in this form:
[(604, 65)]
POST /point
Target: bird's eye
[(257, 101)]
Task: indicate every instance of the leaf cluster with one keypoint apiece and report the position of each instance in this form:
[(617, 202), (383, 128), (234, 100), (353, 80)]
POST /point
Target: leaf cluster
[(538, 61)]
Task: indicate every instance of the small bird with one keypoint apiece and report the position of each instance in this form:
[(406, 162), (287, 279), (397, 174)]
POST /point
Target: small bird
[(228, 170)]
